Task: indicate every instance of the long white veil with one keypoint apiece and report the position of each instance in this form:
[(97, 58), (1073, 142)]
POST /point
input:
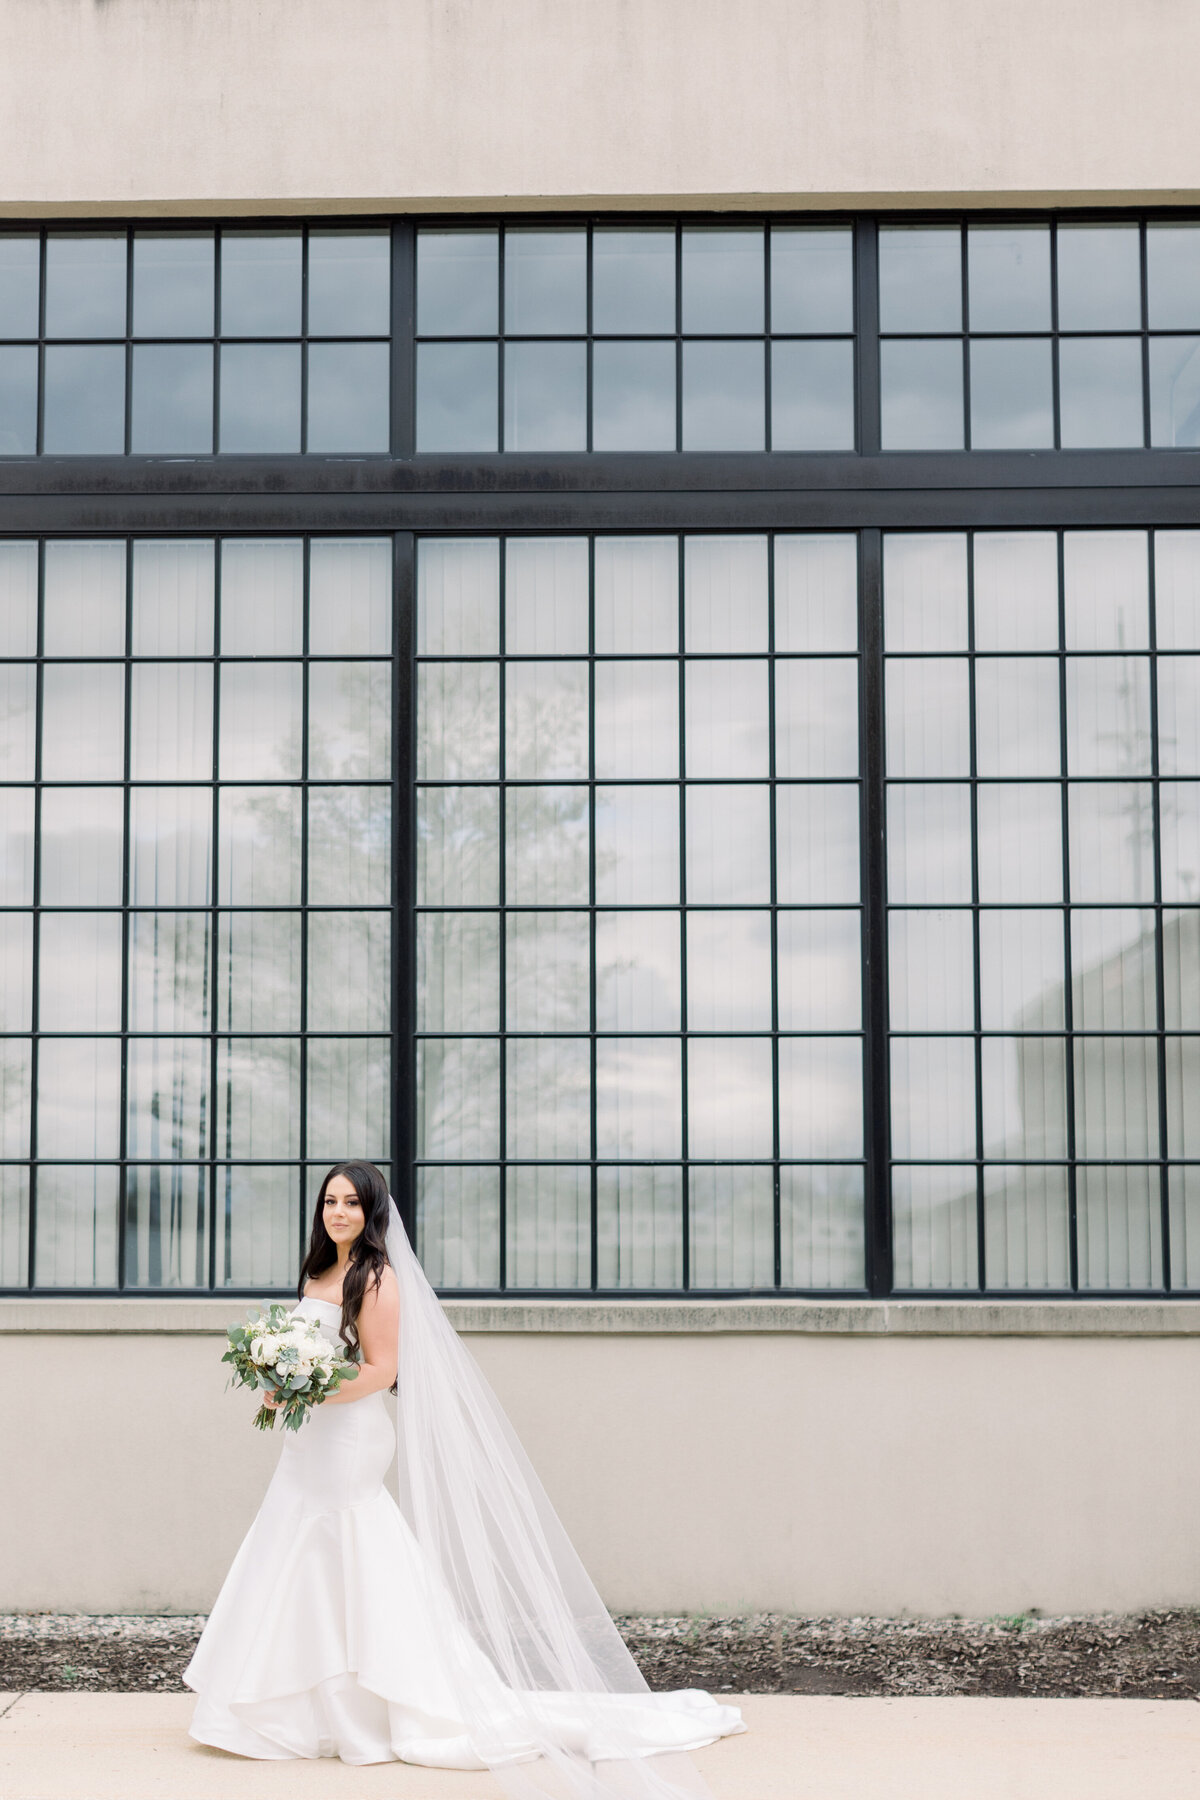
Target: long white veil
[(480, 1514)]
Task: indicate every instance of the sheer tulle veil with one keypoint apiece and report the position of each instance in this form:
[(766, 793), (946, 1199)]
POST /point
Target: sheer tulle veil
[(480, 1514)]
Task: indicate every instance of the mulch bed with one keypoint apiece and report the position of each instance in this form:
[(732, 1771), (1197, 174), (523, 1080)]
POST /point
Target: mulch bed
[(1148, 1656)]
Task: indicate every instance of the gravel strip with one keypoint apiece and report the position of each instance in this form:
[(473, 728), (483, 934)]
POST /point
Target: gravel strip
[(1148, 1656)]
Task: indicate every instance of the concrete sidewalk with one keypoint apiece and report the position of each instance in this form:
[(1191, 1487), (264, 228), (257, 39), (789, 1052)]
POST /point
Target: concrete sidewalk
[(135, 1747)]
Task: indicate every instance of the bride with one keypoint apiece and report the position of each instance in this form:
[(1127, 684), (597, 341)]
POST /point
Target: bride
[(458, 1630)]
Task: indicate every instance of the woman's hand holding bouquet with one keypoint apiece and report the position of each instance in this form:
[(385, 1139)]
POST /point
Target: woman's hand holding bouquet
[(290, 1360)]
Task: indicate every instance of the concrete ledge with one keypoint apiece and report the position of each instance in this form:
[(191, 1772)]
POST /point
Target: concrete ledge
[(625, 1318)]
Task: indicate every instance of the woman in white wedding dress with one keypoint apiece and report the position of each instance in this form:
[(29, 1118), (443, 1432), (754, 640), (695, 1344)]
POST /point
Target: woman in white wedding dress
[(457, 1630)]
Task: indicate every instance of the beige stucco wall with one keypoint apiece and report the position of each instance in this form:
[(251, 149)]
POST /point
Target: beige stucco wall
[(296, 105), (810, 1460)]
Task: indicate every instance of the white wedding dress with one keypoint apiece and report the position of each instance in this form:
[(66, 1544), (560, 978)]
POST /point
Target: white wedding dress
[(335, 1635)]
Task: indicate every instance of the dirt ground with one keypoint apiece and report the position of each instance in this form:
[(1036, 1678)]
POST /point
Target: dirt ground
[(1152, 1656)]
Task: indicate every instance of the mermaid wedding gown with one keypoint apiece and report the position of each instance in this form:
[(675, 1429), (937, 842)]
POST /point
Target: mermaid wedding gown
[(335, 1635)]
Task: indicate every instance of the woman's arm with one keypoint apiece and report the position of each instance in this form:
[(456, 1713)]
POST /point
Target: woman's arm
[(378, 1330)]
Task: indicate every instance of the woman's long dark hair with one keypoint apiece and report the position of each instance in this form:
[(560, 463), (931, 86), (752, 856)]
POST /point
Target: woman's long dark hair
[(368, 1258)]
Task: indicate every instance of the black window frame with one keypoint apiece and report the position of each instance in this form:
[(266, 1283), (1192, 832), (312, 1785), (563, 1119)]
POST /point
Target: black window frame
[(407, 495)]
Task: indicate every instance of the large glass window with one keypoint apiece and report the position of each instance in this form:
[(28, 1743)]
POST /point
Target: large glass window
[(639, 1016), (184, 342), (195, 937), (1043, 842), (635, 337)]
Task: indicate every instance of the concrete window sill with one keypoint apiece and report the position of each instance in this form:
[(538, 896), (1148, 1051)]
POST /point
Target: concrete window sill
[(626, 1318)]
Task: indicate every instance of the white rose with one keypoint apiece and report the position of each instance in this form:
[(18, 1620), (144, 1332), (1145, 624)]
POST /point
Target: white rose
[(266, 1348)]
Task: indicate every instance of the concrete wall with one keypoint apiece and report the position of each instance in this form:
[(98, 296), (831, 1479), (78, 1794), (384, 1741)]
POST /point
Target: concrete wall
[(798, 1457), (193, 106)]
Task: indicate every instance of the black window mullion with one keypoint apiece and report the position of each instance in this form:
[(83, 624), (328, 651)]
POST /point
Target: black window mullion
[(35, 995), (685, 1248), (128, 439), (403, 429), (1145, 341), (976, 977), (1068, 989), (404, 879), (776, 1175), (502, 933), (215, 944), (127, 773), (866, 326), (593, 1019), (302, 1123), (1160, 984), (873, 864)]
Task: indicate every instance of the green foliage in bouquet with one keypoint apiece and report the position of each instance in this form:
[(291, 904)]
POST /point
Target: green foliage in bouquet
[(289, 1357)]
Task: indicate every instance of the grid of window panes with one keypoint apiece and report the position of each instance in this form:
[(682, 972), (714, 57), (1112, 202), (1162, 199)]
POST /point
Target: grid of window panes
[(1043, 872), (1035, 335), (195, 895), (635, 337), (639, 1014), (186, 342)]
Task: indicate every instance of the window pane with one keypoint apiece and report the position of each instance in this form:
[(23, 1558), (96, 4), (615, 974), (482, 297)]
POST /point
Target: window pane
[(546, 720), (545, 281), (170, 970), (457, 283), (458, 831), (458, 1098), (18, 598), (258, 1097), (548, 1097), (931, 971), (921, 395), (1175, 391), (172, 284), (85, 285), (458, 597), (1100, 392), (78, 1101), (16, 846), (349, 283), (820, 971), (1009, 277), (723, 279), (633, 396), (1026, 1228), (262, 585), (1099, 278), (933, 1097), (928, 722), (812, 279), (173, 598), (1016, 716), (929, 844), (350, 597), (729, 1097), (84, 399), (15, 1095), (920, 278), (732, 1230), (817, 847), (1106, 580), (458, 1226), (639, 1230), (816, 717), (1108, 715), (168, 1109), (18, 703), (1011, 394), (170, 846), (350, 721), (1020, 842), (83, 725), (547, 972), (545, 397), (349, 971), (257, 1211), (723, 396), (77, 1224), (348, 1097), (1120, 1228), (638, 984), (935, 1242), (84, 609), (260, 397), (458, 713), (348, 397), (258, 971), (546, 596), (1177, 589), (637, 595), (18, 400), (458, 972), (812, 396), (19, 279), (260, 283), (1016, 590), (638, 1097), (821, 1228), (1112, 967), (820, 1097), (1111, 838), (166, 1227), (349, 846), (729, 971), (259, 847), (547, 849), (637, 846), (633, 280), (725, 707), (726, 589), (171, 722), (1173, 276), (816, 593), (549, 1229), (1024, 1084), (83, 835), (79, 974), (925, 592), (728, 857), (260, 721), (457, 396), (1179, 715), (16, 977)]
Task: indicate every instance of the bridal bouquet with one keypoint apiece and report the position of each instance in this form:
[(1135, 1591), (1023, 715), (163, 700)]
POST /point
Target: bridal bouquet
[(288, 1357)]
